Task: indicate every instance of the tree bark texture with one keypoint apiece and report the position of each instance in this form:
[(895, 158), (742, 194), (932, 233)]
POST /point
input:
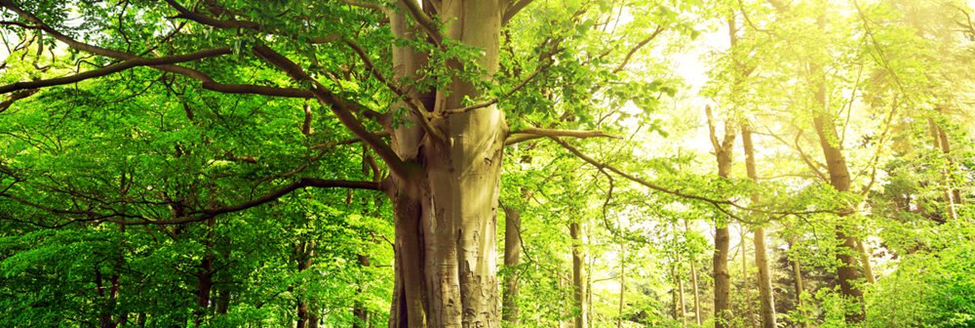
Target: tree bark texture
[(445, 206)]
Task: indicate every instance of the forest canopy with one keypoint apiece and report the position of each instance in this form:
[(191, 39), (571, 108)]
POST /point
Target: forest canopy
[(487, 163)]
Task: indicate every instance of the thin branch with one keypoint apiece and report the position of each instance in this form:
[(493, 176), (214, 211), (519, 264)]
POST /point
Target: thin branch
[(206, 81), (712, 134), (535, 133), (718, 204), (327, 145), (115, 68), (626, 60), (418, 109)]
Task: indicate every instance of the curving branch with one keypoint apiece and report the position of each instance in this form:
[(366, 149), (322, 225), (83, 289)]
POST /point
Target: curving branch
[(721, 205), (112, 215), (535, 133), (274, 195), (629, 55)]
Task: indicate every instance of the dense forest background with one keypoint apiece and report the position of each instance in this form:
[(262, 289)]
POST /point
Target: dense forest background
[(495, 163)]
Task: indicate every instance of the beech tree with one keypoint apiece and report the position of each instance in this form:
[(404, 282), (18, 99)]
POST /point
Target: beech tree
[(318, 163)]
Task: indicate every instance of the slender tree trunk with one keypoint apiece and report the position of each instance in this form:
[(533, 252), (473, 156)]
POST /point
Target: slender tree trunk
[(204, 276), (359, 311), (722, 279), (512, 257), (940, 140), (680, 300), (723, 153), (746, 295), (140, 321), (446, 192), (619, 321), (766, 298), (865, 261), (679, 305), (578, 273), (797, 273), (697, 296), (305, 255)]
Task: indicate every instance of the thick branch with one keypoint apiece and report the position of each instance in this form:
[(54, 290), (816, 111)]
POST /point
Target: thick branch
[(513, 9), (15, 97), (206, 20), (535, 133)]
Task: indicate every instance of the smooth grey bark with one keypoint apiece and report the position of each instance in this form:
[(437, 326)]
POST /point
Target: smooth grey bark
[(446, 206)]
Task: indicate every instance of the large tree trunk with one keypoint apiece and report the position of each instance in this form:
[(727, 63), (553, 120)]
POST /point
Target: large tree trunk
[(512, 257), (578, 273), (445, 208), (766, 299)]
